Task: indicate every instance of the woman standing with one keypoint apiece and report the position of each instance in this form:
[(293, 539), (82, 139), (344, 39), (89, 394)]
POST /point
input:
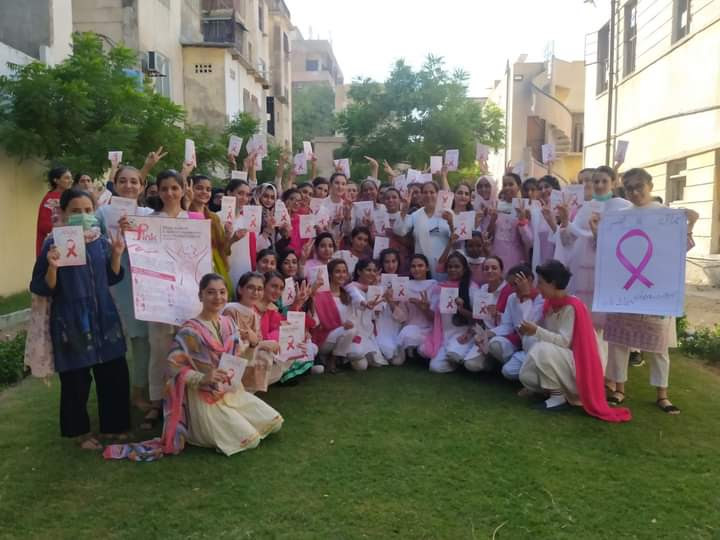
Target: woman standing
[(171, 190), (85, 327), (202, 192), (60, 180), (128, 184), (431, 232), (650, 333)]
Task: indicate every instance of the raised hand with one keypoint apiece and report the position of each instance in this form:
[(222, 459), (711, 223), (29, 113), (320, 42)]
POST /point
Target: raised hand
[(389, 170), (374, 166), (118, 243), (153, 158)]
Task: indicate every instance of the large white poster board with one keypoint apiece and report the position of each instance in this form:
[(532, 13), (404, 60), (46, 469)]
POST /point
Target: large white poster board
[(168, 257), (640, 265)]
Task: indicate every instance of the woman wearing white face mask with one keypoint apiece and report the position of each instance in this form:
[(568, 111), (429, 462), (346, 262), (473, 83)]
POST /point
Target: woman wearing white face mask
[(577, 238), (85, 328)]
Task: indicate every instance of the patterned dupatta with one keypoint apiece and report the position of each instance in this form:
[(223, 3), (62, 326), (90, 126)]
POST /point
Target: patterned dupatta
[(195, 348)]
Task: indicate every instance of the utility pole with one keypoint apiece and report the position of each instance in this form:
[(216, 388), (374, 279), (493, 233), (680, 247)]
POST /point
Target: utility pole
[(611, 85)]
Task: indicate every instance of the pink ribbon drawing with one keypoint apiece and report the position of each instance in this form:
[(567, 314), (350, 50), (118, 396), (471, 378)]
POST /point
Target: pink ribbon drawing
[(635, 271)]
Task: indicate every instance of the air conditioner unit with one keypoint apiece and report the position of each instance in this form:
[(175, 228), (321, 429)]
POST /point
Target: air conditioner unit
[(152, 64)]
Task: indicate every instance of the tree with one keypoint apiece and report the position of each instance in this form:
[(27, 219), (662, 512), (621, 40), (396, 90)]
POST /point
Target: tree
[(313, 113), (414, 115), (75, 112)]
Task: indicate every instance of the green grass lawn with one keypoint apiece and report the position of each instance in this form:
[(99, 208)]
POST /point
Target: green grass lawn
[(15, 302), (392, 453)]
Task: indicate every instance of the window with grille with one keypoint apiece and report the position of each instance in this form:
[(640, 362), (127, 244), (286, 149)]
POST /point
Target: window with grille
[(676, 179), (603, 55), (681, 19), (203, 68), (630, 45)]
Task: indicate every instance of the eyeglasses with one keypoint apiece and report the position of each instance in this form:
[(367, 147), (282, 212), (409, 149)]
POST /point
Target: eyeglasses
[(635, 188)]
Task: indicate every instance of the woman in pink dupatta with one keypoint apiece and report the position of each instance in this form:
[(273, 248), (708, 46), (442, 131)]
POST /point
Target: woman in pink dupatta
[(205, 403), (565, 363), (508, 227)]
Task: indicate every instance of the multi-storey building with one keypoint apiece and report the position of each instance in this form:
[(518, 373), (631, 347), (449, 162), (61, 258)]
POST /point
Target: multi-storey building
[(542, 103), (156, 29), (653, 79)]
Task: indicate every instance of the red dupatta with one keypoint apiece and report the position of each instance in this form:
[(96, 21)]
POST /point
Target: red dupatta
[(328, 314), (588, 366)]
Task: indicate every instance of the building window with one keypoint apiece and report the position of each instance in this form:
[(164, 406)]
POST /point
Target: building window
[(312, 65), (681, 19), (630, 46), (261, 18), (286, 43), (203, 68), (270, 108), (603, 56), (675, 186)]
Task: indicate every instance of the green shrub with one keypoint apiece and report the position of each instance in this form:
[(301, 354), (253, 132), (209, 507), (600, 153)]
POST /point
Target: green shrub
[(703, 342), (11, 359)]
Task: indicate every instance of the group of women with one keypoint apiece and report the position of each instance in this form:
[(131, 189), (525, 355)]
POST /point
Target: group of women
[(529, 260)]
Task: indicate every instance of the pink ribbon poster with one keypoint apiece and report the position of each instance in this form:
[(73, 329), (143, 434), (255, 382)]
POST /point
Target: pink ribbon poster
[(640, 265), (168, 257)]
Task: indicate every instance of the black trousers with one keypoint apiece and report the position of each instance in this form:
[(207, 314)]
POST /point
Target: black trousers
[(112, 386)]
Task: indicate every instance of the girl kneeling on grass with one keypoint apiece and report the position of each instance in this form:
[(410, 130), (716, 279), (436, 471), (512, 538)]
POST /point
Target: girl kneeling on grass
[(565, 363), (85, 327), (205, 405)]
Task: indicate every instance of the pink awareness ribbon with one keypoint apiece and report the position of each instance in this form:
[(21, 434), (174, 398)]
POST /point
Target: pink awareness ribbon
[(635, 271)]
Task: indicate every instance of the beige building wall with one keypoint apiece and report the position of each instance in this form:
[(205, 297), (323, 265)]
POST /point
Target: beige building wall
[(543, 103), (22, 187), (145, 25), (668, 109), (204, 82), (281, 70)]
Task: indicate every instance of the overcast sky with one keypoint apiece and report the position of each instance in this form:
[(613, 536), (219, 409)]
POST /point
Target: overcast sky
[(477, 35)]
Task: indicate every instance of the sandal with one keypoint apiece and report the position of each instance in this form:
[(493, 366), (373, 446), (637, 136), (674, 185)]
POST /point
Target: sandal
[(669, 408), (151, 419), (90, 443), (616, 398)]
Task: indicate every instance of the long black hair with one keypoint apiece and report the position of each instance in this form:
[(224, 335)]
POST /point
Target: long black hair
[(361, 265), (424, 259), (344, 296), (464, 288)]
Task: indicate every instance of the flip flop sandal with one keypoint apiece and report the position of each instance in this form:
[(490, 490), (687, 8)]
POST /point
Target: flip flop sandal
[(670, 409), (90, 443), (614, 399)]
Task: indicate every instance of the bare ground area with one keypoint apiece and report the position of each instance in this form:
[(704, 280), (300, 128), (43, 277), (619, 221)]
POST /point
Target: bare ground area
[(702, 305)]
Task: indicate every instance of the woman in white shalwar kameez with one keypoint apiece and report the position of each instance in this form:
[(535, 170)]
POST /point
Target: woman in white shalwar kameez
[(387, 326), (363, 349), (564, 363), (451, 338), (414, 316)]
